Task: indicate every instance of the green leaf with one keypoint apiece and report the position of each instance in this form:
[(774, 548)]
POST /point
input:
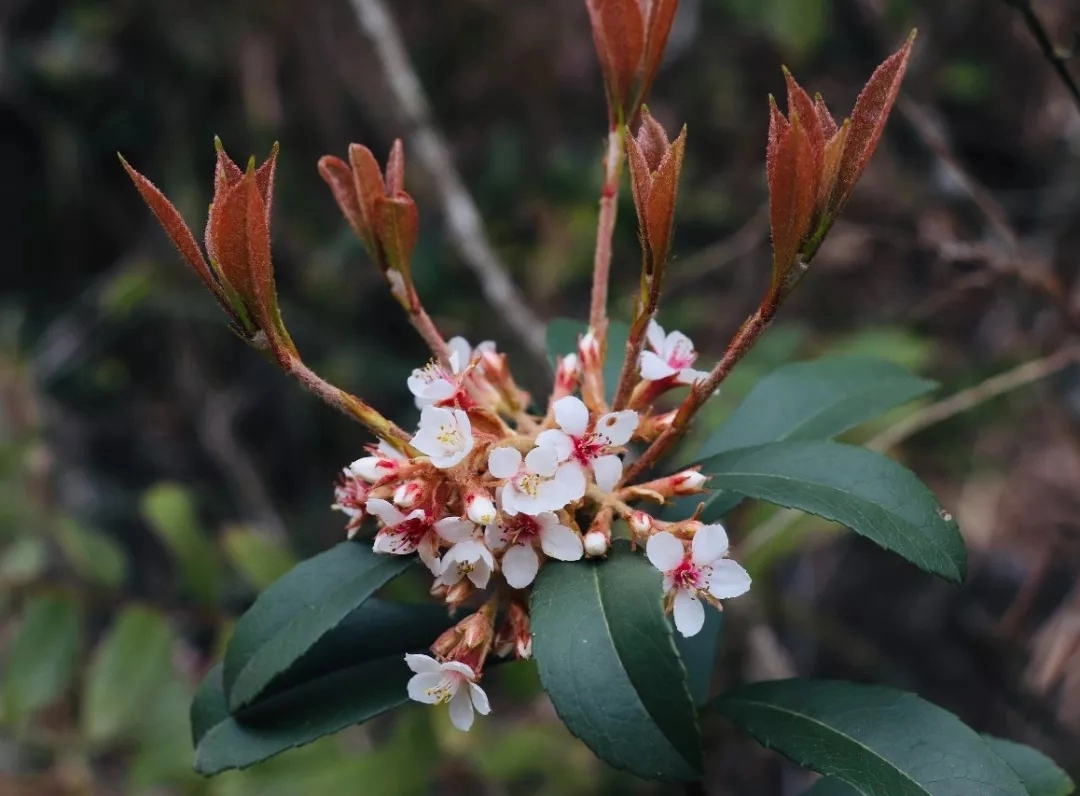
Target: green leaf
[(259, 559), (170, 513), (562, 339), (882, 741), (831, 786), (24, 560), (298, 610), (354, 673), (810, 400), (872, 495), (92, 554), (41, 660), (606, 657), (698, 653), (1040, 775), (132, 664)]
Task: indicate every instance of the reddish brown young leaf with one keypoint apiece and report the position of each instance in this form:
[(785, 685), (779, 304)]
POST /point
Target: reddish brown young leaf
[(799, 102), (825, 119), (652, 140), (868, 121), (370, 188), (658, 20), (830, 165), (264, 179), (778, 128), (397, 229), (226, 238), (395, 169), (226, 172), (179, 232), (662, 195), (337, 174), (792, 194), (262, 301), (640, 183), (619, 34)]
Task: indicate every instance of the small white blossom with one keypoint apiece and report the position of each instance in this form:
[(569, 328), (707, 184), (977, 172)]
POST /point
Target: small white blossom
[(469, 556), (436, 683), (596, 544), (435, 383), (520, 533), (671, 355), (373, 469), (703, 572), (582, 449), (535, 483), (445, 435), (403, 534)]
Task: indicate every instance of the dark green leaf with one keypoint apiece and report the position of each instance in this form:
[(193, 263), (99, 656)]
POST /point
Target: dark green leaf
[(869, 493), (698, 653), (882, 741), (298, 610), (1040, 775), (131, 664), (562, 339), (354, 673), (810, 400), (170, 513), (41, 659), (831, 786), (606, 657)]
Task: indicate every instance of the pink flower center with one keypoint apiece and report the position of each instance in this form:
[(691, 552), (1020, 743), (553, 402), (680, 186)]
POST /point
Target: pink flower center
[(521, 529), (351, 493), (682, 356), (688, 575), (588, 447)]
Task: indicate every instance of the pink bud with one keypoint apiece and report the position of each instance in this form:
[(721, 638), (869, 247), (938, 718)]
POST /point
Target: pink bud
[(408, 494), (640, 523), (589, 350), (688, 482)]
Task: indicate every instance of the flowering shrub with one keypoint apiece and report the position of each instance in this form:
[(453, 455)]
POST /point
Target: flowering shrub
[(552, 529)]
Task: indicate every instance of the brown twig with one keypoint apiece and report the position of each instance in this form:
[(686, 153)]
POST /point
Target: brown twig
[(463, 221), (1057, 57)]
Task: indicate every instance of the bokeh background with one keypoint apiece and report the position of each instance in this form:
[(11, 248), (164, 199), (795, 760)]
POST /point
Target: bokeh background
[(154, 474)]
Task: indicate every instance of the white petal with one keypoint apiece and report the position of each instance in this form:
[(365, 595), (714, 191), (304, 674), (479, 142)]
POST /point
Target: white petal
[(390, 452), (495, 536), (435, 416), (466, 552), (461, 710), (480, 574), (571, 415), (691, 376), (398, 544), (422, 664), (567, 486), (655, 336), (678, 346), (508, 500), (504, 462), (562, 543), (457, 667), (519, 565), (653, 368), (617, 427), (385, 511), (460, 347), (418, 382), (710, 543), (429, 554), (423, 687), (689, 613), (439, 390), (558, 441), (541, 461), (479, 699), (454, 529), (664, 551), (607, 470), (728, 580)]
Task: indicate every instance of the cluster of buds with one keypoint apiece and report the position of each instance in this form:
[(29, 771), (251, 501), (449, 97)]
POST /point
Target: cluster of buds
[(485, 491)]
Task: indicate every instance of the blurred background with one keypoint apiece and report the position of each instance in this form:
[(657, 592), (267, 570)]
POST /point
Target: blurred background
[(154, 474)]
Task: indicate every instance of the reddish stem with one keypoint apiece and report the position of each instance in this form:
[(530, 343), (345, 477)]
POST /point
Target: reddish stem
[(605, 229)]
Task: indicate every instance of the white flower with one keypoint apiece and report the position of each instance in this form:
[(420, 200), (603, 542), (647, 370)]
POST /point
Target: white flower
[(468, 558), (535, 483), (671, 355), (435, 683), (582, 449), (403, 534), (434, 383), (520, 534), (703, 573), (445, 435), (385, 461)]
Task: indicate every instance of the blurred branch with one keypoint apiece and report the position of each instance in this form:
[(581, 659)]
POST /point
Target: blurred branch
[(1058, 57), (462, 217), (962, 401), (717, 256)]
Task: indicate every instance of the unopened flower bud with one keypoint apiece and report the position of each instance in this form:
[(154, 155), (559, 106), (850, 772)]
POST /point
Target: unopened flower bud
[(688, 482), (459, 592), (589, 349), (480, 508), (408, 494), (374, 468), (640, 523), (468, 641), (567, 376), (596, 544)]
